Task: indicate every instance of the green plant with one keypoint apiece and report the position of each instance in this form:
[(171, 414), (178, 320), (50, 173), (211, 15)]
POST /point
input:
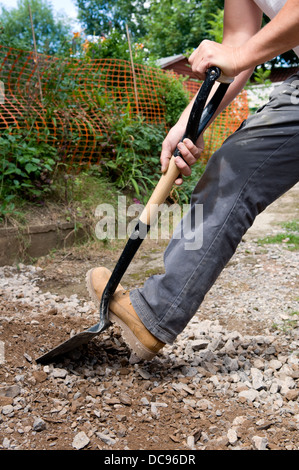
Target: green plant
[(173, 96), (136, 148), (216, 25), (52, 32), (259, 87), (292, 226), (27, 167), (134, 161), (261, 76), (114, 45), (129, 145), (289, 323), (289, 238)]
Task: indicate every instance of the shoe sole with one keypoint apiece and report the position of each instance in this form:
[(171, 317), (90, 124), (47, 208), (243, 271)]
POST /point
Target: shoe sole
[(133, 342)]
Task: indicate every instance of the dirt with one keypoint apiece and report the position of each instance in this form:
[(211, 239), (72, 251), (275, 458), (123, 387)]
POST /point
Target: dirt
[(106, 391)]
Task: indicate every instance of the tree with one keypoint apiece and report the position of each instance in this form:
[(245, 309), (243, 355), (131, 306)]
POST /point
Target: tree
[(52, 32), (165, 27), (99, 17), (114, 45), (176, 26)]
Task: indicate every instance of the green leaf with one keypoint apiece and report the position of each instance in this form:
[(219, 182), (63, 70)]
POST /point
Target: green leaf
[(134, 183), (30, 168)]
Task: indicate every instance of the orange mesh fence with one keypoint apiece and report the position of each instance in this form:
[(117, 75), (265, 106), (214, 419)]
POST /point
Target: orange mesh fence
[(225, 124), (70, 103)]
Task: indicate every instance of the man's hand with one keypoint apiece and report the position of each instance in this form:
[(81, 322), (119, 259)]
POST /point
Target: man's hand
[(210, 53), (189, 151)]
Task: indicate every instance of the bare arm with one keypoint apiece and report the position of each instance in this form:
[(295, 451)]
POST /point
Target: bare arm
[(280, 35), (244, 45), (242, 20), (236, 32)]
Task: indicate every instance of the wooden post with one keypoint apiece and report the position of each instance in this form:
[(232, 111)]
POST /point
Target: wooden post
[(133, 69), (35, 53)]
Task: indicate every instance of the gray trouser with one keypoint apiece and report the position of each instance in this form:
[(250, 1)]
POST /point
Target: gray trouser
[(253, 167)]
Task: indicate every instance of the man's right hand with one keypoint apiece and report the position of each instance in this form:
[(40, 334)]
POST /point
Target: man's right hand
[(189, 151)]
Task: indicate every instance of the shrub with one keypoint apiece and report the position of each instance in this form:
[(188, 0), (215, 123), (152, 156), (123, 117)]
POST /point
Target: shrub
[(26, 169), (174, 97), (135, 160)]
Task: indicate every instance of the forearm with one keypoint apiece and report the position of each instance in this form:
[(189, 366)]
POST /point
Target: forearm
[(280, 35)]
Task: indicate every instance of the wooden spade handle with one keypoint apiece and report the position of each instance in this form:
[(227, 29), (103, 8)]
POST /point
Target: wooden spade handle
[(161, 192)]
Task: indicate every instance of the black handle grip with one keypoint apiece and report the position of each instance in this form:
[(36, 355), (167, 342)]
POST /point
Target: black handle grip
[(199, 115)]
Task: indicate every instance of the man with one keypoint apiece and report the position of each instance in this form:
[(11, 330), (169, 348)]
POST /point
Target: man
[(254, 166)]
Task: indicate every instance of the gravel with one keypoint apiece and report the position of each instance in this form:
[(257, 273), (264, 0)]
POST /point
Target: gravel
[(230, 381)]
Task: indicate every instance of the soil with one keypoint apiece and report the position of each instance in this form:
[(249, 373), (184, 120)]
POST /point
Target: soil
[(101, 391)]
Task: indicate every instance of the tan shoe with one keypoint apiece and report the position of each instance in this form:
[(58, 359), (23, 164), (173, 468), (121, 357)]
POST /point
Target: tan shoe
[(121, 311)]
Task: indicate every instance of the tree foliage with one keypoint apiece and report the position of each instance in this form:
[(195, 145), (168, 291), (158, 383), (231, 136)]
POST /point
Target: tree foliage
[(165, 27), (114, 46), (99, 17), (176, 26), (52, 32)]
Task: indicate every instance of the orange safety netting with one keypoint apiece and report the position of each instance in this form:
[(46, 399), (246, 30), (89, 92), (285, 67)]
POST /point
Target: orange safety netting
[(70, 103), (225, 124)]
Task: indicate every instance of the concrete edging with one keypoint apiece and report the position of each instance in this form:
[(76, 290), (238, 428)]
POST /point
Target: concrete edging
[(20, 244)]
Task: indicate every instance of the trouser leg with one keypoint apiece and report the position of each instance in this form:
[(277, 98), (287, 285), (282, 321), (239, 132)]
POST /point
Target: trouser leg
[(254, 166)]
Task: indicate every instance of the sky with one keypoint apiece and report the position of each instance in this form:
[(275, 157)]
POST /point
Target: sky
[(68, 6)]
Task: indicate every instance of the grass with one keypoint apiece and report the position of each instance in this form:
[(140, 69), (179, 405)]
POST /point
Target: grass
[(73, 197), (289, 237), (288, 324), (80, 197)]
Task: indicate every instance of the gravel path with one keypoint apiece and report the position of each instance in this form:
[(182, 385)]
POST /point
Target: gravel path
[(231, 380)]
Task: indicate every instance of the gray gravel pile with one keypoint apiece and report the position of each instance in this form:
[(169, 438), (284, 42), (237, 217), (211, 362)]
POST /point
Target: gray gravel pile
[(231, 380)]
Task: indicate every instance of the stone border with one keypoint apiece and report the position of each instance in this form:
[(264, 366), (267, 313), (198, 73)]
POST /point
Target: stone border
[(37, 240)]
